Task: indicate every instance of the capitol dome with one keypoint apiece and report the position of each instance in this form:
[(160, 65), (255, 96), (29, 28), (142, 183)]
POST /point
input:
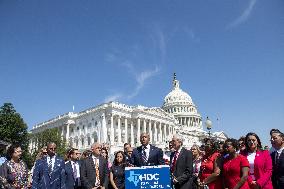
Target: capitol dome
[(177, 96), (180, 104)]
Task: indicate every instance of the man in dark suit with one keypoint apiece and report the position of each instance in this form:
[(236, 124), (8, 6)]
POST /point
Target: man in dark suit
[(72, 169), (146, 154), (94, 170), (181, 165), (277, 141), (49, 172)]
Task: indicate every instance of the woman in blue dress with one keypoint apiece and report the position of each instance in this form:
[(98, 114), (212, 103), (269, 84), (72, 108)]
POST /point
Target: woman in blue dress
[(117, 177)]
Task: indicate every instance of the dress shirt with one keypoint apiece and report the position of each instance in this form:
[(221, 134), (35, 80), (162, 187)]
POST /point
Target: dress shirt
[(147, 150), (75, 163), (96, 160), (176, 154), (278, 152), (97, 165), (53, 161)]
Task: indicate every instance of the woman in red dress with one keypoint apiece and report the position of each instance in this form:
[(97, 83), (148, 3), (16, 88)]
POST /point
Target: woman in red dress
[(209, 172), (235, 167)]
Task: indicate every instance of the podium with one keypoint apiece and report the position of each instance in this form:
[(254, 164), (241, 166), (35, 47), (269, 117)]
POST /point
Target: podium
[(147, 177)]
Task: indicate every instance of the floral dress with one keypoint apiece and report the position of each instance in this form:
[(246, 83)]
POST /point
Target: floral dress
[(14, 175)]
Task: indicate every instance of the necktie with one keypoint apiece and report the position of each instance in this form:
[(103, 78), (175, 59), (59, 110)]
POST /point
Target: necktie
[(97, 172), (75, 174), (174, 161), (74, 170), (144, 156), (277, 157), (50, 166)]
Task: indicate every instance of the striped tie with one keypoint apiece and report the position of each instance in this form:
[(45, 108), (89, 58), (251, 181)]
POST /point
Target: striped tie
[(174, 161), (144, 156), (50, 166)]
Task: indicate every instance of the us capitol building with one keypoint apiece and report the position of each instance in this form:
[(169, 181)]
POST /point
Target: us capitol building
[(116, 123)]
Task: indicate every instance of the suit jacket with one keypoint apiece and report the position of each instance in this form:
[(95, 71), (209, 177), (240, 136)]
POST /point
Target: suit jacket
[(183, 169), (88, 172), (278, 171), (42, 179), (155, 157), (262, 169), (69, 176)]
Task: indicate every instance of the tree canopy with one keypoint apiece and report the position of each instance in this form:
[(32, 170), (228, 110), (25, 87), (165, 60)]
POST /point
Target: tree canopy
[(13, 129), (49, 135)]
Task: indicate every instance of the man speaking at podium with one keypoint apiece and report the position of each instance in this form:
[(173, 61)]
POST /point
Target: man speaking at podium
[(147, 154)]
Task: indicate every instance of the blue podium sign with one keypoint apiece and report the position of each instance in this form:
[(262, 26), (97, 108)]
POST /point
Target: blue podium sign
[(147, 177)]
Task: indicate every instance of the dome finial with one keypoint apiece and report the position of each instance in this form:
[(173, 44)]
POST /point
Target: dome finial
[(175, 82)]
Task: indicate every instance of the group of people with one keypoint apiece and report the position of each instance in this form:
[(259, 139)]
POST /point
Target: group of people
[(232, 164)]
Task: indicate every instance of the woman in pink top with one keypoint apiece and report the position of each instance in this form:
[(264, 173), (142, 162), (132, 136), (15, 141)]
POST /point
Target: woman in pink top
[(260, 163)]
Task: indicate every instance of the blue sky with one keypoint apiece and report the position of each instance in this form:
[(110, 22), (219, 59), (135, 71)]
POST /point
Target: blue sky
[(228, 55)]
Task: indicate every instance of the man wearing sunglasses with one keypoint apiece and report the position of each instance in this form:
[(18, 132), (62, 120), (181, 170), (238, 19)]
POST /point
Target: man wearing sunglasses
[(49, 172), (72, 169)]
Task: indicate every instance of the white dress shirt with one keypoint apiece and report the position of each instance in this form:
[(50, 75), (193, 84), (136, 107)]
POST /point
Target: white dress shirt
[(147, 150), (278, 152), (53, 161), (73, 163)]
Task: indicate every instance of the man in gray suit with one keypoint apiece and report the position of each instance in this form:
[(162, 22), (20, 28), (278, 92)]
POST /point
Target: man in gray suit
[(181, 164), (94, 170)]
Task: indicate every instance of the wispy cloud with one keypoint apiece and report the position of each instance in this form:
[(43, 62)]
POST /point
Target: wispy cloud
[(141, 79), (244, 16), (159, 40)]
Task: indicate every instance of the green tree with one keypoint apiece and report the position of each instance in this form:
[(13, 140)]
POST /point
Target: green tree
[(49, 135), (13, 129)]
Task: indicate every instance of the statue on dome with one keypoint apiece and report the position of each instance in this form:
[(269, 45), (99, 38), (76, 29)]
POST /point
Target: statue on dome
[(175, 82)]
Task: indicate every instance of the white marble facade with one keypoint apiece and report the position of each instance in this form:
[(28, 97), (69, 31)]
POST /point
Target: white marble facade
[(115, 123)]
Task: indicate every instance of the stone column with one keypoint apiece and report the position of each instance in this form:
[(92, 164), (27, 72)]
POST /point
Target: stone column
[(138, 129), (150, 131), (62, 131), (144, 126), (118, 130), (67, 133), (131, 133), (99, 132), (104, 128), (165, 132), (111, 130), (125, 130), (160, 132), (155, 132)]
